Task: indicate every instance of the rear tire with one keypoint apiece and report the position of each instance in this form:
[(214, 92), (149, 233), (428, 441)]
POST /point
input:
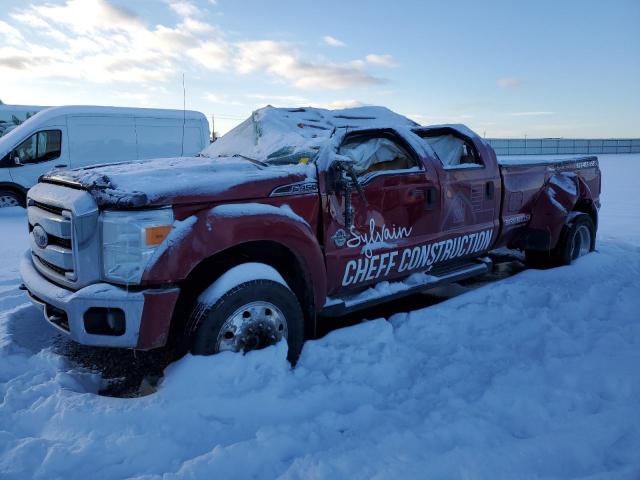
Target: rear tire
[(578, 239), (251, 316), (9, 198)]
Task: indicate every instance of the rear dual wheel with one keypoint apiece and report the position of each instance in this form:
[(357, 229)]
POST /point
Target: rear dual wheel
[(578, 238)]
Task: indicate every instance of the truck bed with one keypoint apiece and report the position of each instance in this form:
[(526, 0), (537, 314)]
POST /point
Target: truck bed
[(532, 187)]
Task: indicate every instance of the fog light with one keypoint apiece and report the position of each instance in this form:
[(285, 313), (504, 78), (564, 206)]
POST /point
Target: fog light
[(104, 321)]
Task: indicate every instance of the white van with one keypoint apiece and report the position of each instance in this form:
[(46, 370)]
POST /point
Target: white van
[(77, 136), (13, 115)]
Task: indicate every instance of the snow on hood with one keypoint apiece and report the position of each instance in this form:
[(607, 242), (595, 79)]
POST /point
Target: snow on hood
[(279, 132), (279, 136), (147, 182)]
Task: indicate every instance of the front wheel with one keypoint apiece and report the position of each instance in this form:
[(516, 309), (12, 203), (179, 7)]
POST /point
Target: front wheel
[(9, 198), (250, 316)]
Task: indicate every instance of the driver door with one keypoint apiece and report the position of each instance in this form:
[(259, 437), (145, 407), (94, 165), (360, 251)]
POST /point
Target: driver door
[(397, 210)]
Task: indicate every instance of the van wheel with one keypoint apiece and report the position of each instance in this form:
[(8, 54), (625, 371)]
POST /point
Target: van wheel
[(578, 238), (250, 316), (9, 198)]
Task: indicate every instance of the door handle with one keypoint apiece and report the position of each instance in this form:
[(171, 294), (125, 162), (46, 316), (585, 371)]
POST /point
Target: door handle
[(61, 165), (489, 190), (417, 194), (427, 196), (430, 198)]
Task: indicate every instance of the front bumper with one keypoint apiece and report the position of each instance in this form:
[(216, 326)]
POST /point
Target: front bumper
[(147, 312)]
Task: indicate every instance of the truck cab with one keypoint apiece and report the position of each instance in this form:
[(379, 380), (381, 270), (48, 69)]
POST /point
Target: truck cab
[(294, 216)]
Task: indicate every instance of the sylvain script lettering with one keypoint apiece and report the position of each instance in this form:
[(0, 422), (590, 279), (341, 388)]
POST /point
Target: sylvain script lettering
[(376, 236)]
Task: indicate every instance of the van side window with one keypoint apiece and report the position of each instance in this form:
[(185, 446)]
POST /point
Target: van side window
[(40, 147), (374, 154), (454, 152)]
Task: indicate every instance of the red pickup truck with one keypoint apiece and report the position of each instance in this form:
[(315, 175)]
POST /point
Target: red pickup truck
[(293, 216)]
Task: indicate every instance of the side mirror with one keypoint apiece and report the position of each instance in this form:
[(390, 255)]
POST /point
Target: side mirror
[(337, 180), (341, 178), (15, 158)]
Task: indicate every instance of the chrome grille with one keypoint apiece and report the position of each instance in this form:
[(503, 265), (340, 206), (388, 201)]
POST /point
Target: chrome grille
[(57, 255), (70, 254)]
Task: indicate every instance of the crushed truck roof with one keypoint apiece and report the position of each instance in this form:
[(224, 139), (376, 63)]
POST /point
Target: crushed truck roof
[(276, 132)]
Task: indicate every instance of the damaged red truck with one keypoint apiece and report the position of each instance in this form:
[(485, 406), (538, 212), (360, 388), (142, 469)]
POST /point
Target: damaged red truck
[(293, 216)]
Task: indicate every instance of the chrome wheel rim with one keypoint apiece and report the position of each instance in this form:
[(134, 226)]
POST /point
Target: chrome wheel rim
[(581, 242), (253, 326), (8, 201)]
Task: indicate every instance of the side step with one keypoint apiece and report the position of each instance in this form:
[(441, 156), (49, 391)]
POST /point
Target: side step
[(414, 283)]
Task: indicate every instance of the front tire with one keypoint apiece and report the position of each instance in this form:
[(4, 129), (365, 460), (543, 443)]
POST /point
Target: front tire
[(250, 316)]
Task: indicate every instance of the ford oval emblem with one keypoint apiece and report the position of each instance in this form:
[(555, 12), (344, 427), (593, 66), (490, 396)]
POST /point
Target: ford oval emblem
[(40, 236)]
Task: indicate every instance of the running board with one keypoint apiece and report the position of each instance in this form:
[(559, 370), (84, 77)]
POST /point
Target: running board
[(388, 291)]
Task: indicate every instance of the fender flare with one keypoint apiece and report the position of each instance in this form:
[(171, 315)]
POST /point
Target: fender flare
[(14, 186), (212, 231)]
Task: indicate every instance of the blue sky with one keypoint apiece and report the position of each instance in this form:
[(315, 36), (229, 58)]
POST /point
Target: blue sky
[(544, 68)]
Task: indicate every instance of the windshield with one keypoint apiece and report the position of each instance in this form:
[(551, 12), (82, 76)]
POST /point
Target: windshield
[(279, 136)]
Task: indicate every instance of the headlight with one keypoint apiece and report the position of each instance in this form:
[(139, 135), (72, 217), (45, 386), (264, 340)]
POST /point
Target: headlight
[(129, 239)]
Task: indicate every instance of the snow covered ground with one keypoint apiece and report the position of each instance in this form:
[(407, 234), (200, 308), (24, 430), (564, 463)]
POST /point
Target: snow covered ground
[(534, 376)]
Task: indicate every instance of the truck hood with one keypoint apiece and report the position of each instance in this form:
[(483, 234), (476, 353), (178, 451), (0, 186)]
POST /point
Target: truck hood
[(182, 180)]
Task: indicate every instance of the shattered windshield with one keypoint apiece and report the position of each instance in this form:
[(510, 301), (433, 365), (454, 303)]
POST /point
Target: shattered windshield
[(285, 136)]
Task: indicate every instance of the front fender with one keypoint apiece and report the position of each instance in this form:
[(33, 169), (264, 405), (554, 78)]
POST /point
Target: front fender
[(211, 231)]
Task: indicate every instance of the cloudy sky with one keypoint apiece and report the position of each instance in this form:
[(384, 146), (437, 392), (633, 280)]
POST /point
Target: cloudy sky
[(543, 68)]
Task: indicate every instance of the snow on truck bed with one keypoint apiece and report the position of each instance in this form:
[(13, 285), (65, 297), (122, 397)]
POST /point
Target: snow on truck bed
[(535, 376)]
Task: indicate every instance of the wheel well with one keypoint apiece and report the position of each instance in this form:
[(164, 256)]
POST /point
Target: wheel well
[(17, 189), (586, 206), (268, 252)]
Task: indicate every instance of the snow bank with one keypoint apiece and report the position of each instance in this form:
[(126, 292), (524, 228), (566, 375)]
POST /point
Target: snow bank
[(535, 376)]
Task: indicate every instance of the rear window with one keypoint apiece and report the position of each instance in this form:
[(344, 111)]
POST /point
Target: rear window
[(454, 152)]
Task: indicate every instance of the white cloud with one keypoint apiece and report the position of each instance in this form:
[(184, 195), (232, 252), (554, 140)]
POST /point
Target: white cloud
[(221, 99), (338, 104), (381, 60), (279, 100), (509, 82), (211, 55), (332, 41), (298, 101), (280, 60), (184, 9), (11, 34), (528, 114), (99, 42)]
